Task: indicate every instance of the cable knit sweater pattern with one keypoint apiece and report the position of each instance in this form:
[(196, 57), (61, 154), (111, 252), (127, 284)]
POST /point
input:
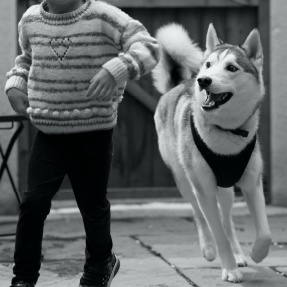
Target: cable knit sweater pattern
[(61, 53)]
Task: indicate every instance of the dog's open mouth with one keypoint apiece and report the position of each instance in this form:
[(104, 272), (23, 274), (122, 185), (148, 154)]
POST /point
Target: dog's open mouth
[(213, 101)]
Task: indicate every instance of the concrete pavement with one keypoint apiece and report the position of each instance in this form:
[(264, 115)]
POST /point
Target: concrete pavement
[(157, 244)]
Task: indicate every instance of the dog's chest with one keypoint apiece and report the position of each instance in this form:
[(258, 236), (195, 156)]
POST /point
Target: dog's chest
[(227, 169)]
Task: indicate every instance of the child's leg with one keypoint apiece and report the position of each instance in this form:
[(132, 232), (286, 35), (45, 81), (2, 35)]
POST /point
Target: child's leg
[(45, 174), (89, 169)]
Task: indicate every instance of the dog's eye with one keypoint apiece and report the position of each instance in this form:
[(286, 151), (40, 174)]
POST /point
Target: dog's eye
[(207, 65), (232, 68)]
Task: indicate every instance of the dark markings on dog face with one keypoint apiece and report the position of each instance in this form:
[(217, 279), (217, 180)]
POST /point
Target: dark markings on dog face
[(247, 65), (221, 48), (241, 58)]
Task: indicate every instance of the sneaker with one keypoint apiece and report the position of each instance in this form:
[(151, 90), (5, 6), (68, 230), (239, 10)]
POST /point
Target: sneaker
[(100, 275), (22, 284)]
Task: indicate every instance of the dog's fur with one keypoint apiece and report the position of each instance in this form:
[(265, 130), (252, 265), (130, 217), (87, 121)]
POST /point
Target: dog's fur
[(176, 77)]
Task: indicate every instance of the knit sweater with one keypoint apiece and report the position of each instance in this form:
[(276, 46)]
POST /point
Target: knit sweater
[(61, 53)]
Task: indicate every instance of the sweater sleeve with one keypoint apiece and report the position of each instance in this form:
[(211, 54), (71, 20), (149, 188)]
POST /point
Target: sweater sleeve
[(141, 53), (18, 76)]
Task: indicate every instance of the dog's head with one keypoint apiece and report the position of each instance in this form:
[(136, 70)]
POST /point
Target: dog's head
[(229, 86)]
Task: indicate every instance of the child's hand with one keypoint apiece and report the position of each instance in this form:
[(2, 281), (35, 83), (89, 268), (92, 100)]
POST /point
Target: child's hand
[(18, 101), (102, 85)]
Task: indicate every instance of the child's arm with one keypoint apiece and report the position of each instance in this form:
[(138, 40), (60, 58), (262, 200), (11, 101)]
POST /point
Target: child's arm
[(102, 85), (18, 101), (141, 54), (16, 85)]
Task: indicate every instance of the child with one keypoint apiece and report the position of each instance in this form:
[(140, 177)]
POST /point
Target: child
[(76, 58)]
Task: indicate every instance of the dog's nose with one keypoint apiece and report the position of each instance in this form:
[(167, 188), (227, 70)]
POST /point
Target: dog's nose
[(204, 81)]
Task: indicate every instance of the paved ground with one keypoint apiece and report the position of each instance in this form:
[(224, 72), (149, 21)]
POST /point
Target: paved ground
[(158, 247)]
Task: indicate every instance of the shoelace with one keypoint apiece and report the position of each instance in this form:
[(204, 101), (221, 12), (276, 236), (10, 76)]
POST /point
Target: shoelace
[(106, 279)]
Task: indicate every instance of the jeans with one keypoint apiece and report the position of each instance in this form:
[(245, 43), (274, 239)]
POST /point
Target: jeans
[(86, 158)]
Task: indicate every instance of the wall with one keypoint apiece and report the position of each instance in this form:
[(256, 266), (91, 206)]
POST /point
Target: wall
[(278, 65), (8, 51), (278, 83)]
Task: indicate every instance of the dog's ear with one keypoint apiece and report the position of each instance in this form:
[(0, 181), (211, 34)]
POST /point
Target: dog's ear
[(211, 40), (253, 48)]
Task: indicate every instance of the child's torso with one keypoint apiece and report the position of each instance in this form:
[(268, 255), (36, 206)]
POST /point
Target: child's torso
[(66, 55)]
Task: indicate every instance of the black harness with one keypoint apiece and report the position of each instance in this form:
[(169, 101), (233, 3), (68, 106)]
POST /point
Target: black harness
[(228, 169)]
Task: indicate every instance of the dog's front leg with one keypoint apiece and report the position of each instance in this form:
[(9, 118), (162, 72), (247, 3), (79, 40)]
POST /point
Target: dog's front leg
[(208, 203), (206, 241), (255, 200), (226, 198)]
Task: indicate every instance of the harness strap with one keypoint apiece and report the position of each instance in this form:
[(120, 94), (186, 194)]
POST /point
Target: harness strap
[(228, 169)]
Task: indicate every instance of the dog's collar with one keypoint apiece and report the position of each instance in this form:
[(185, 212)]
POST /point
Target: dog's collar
[(238, 132)]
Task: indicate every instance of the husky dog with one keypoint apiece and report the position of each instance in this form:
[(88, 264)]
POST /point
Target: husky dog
[(207, 122)]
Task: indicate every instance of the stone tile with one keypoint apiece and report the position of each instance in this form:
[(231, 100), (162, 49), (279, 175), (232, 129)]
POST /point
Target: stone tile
[(253, 277)]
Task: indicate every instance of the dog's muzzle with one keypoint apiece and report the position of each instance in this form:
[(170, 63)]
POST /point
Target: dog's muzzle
[(213, 101)]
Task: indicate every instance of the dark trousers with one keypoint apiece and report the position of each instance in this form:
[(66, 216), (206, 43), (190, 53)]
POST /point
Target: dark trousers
[(86, 158)]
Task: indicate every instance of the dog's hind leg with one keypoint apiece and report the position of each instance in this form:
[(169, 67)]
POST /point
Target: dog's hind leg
[(226, 198), (207, 244), (256, 203), (252, 188)]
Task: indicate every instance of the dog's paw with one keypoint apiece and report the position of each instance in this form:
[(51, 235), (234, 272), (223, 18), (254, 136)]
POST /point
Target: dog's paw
[(209, 251), (260, 248), (207, 246), (240, 260), (233, 276)]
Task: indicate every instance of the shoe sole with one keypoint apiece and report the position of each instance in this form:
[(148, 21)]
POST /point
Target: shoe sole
[(115, 271)]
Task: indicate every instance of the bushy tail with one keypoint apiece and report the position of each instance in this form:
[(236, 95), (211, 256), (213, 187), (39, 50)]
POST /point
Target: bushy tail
[(180, 58)]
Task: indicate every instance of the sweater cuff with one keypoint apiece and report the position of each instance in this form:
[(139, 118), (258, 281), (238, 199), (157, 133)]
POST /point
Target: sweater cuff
[(118, 70), (16, 82)]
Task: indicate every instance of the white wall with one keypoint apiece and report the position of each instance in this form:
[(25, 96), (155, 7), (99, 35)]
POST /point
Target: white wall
[(278, 65), (8, 52)]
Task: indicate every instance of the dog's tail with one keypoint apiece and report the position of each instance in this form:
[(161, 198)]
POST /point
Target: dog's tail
[(180, 58)]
